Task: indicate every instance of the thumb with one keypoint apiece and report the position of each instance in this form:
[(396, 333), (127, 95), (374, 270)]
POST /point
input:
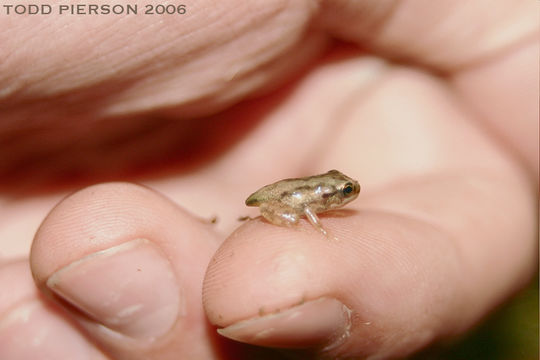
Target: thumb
[(127, 266), (391, 283)]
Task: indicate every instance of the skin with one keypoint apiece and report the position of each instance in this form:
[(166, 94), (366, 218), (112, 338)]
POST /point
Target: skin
[(439, 126)]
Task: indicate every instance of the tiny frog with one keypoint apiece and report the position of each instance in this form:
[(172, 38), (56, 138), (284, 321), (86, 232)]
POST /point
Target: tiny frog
[(283, 202)]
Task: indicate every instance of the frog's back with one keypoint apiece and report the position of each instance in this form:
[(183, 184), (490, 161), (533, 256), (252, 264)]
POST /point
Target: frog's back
[(272, 192)]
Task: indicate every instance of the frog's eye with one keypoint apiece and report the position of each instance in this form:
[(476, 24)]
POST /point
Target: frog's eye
[(348, 189)]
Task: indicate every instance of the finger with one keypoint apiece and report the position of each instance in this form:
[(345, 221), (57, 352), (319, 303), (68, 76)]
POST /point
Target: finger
[(354, 296), (142, 72), (506, 88), (466, 35), (134, 94), (489, 52), (32, 327), (442, 234), (392, 283), (127, 265)]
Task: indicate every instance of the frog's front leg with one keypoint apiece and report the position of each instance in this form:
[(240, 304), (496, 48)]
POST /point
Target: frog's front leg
[(277, 214), (314, 220)]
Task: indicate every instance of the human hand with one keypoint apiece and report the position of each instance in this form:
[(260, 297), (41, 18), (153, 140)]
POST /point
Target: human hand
[(443, 230)]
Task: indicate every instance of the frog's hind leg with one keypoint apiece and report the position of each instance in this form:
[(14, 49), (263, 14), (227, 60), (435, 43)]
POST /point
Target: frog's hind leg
[(276, 214), (314, 220)]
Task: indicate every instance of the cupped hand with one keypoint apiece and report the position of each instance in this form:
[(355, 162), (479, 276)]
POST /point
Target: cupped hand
[(429, 106)]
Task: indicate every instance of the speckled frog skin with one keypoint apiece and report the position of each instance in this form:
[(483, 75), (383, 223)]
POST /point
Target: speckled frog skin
[(283, 202)]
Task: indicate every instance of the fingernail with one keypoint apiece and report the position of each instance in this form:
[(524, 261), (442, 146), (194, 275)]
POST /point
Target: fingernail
[(321, 322), (130, 288)]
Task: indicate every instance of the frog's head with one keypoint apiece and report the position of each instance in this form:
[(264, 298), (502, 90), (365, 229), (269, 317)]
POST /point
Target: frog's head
[(345, 189)]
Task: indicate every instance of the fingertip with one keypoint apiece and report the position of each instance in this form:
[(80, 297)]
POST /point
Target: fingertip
[(105, 215), (127, 264), (262, 274), (269, 286), (70, 230), (255, 262)]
